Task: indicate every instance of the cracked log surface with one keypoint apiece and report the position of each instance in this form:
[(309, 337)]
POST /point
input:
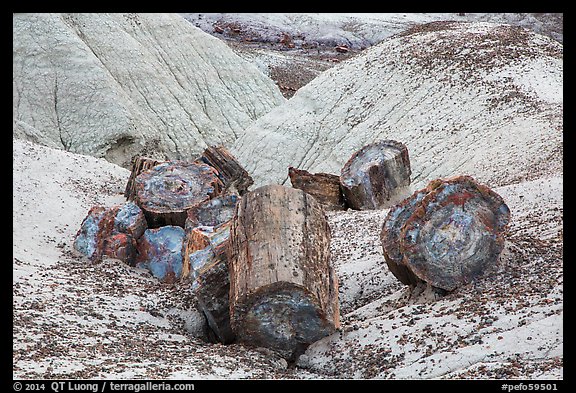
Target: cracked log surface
[(160, 251), (325, 187), (139, 164), (446, 234), (376, 176), (283, 290), (210, 278), (166, 191), (213, 212), (111, 232), (230, 171)]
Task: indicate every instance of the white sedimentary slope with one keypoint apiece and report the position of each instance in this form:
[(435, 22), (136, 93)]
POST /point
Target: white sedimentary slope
[(465, 98), (111, 85)]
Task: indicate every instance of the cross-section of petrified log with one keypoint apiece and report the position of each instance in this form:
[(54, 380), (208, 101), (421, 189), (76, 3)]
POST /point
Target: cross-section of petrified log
[(211, 282), (446, 234), (376, 176), (166, 191), (139, 164), (98, 232), (232, 174), (325, 187), (283, 290), (160, 251), (393, 223)]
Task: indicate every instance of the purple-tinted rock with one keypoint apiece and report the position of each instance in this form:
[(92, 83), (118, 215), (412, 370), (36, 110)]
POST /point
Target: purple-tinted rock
[(376, 176), (121, 246), (213, 212), (130, 219), (102, 224), (160, 250), (211, 286)]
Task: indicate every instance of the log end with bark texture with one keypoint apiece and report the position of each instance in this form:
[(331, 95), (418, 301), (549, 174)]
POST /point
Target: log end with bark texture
[(447, 234), (160, 251), (283, 290), (325, 187), (376, 176), (166, 191), (230, 172), (139, 164)]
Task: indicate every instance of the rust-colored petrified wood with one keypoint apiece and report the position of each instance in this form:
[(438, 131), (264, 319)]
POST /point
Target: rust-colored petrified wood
[(205, 221), (446, 234), (210, 280), (376, 176), (111, 231), (139, 164), (283, 290), (325, 187), (166, 191), (231, 173)]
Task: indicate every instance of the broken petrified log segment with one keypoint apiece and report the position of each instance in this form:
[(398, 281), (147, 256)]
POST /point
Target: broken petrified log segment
[(160, 251), (376, 176), (166, 191), (201, 237), (213, 212), (283, 290), (325, 187), (211, 282), (121, 246), (446, 234), (88, 238), (204, 221), (139, 164), (229, 170), (99, 233)]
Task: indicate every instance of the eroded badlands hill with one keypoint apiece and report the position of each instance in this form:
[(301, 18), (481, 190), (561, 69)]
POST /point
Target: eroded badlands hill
[(112, 85), (465, 98)]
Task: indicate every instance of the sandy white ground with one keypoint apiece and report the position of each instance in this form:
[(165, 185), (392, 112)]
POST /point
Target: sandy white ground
[(72, 319)]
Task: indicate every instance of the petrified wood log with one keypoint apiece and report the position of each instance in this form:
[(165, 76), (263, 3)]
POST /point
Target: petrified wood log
[(139, 164), (283, 290), (376, 176), (121, 246), (211, 282), (446, 234), (201, 237), (231, 173), (160, 251), (166, 191), (111, 232), (213, 212), (325, 187)]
